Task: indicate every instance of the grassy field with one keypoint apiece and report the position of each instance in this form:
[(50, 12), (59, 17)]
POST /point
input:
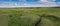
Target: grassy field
[(30, 17)]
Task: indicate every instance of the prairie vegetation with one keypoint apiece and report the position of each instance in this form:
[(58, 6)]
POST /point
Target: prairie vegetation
[(30, 17)]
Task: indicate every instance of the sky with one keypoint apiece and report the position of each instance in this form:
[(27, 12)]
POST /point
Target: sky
[(28, 3), (26, 0), (9, 0), (57, 1)]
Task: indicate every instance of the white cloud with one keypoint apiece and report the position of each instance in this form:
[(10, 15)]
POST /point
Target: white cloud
[(12, 4), (43, 0)]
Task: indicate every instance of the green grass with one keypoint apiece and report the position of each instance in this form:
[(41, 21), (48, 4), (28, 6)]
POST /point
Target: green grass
[(28, 17)]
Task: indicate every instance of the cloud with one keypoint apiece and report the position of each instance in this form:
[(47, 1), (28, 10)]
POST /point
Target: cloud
[(21, 4)]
